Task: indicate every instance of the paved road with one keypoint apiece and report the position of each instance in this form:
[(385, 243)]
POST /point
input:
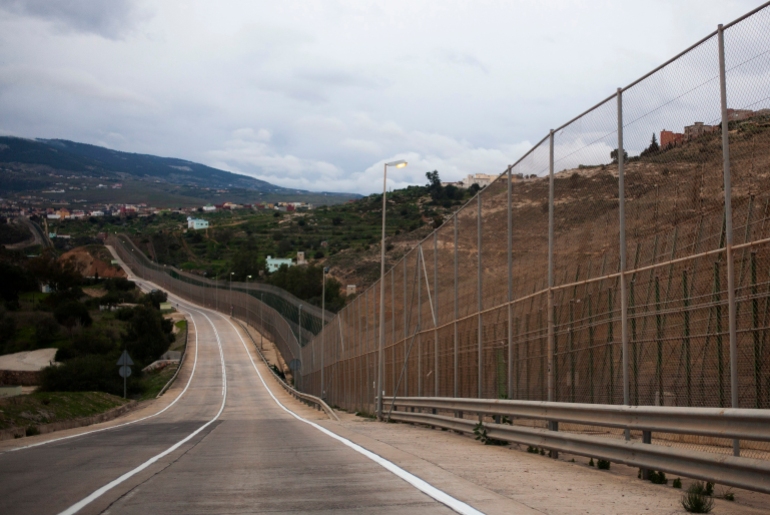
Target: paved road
[(246, 454)]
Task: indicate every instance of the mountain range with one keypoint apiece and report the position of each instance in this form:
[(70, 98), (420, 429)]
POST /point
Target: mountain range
[(57, 169)]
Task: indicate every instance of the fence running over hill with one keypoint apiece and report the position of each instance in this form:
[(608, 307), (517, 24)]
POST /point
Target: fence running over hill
[(296, 312), (645, 281)]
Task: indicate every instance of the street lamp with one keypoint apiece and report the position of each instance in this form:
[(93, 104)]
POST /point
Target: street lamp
[(398, 164)]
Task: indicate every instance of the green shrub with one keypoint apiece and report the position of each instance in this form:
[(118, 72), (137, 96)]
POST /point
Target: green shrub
[(695, 500), (32, 431), (677, 483), (658, 478), (86, 374), (603, 464), (72, 312)]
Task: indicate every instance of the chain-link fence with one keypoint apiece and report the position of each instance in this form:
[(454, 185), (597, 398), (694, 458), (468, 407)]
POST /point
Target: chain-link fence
[(604, 266), (625, 259)]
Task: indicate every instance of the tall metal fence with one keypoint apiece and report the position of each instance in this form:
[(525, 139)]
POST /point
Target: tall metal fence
[(580, 277), (625, 259), (296, 312)]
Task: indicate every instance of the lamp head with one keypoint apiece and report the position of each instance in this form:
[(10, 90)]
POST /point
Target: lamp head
[(398, 164)]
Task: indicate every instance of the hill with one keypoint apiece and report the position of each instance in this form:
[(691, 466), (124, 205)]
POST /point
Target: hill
[(61, 170)]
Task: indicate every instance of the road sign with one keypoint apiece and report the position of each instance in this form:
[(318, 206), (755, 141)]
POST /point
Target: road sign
[(124, 371), (125, 359)]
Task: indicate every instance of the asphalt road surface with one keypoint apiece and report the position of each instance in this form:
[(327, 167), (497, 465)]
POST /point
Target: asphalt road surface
[(216, 442)]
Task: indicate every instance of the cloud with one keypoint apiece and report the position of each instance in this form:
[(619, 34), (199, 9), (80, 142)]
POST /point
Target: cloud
[(71, 81), (454, 159), (462, 59), (110, 19)]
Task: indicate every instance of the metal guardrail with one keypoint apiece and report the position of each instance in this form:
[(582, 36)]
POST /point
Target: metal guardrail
[(745, 424), (739, 472), (302, 397)]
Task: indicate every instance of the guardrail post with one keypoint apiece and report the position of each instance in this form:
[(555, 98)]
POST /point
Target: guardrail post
[(622, 230), (646, 438), (480, 301), (510, 283), (732, 315), (456, 311), (549, 312)]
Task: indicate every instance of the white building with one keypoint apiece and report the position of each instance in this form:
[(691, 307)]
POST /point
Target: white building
[(273, 264), (209, 208), (482, 179), (197, 223)]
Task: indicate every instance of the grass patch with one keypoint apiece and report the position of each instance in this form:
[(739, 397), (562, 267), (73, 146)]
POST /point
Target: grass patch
[(153, 382), (696, 500), (46, 407)]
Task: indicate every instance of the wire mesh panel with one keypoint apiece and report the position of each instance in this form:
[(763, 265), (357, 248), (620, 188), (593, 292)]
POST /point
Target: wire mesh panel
[(586, 250), (675, 214), (747, 65)]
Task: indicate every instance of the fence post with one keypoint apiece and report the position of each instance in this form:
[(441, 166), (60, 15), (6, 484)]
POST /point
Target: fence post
[(728, 232), (549, 309), (393, 327), (480, 301), (406, 335), (623, 285), (418, 285), (510, 284), (454, 351), (435, 310)]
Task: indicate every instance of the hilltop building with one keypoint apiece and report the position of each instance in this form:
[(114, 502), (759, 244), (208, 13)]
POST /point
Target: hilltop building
[(197, 223), (273, 264)]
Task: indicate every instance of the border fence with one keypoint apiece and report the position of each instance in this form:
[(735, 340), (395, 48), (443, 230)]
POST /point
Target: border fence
[(623, 260)]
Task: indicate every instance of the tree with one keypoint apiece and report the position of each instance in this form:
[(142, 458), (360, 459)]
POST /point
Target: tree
[(434, 185), (60, 275), (148, 334), (614, 156), (15, 280), (654, 148)]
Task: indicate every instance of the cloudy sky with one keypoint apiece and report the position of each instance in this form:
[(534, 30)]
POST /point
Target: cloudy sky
[(316, 94)]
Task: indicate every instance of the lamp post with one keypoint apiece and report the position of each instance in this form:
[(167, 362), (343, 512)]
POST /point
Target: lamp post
[(398, 164)]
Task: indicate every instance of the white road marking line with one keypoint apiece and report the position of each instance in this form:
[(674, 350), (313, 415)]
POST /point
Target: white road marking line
[(112, 484), (421, 485), (195, 361)]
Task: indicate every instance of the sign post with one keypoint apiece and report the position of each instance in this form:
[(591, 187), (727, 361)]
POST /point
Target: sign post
[(124, 362)]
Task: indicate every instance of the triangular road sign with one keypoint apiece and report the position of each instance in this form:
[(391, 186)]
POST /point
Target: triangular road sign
[(125, 360)]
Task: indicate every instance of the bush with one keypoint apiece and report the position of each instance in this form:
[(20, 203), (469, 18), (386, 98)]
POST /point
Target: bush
[(154, 298), (677, 483), (658, 478), (46, 331), (603, 464), (119, 284), (72, 312), (696, 500), (86, 374), (148, 334), (32, 431)]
